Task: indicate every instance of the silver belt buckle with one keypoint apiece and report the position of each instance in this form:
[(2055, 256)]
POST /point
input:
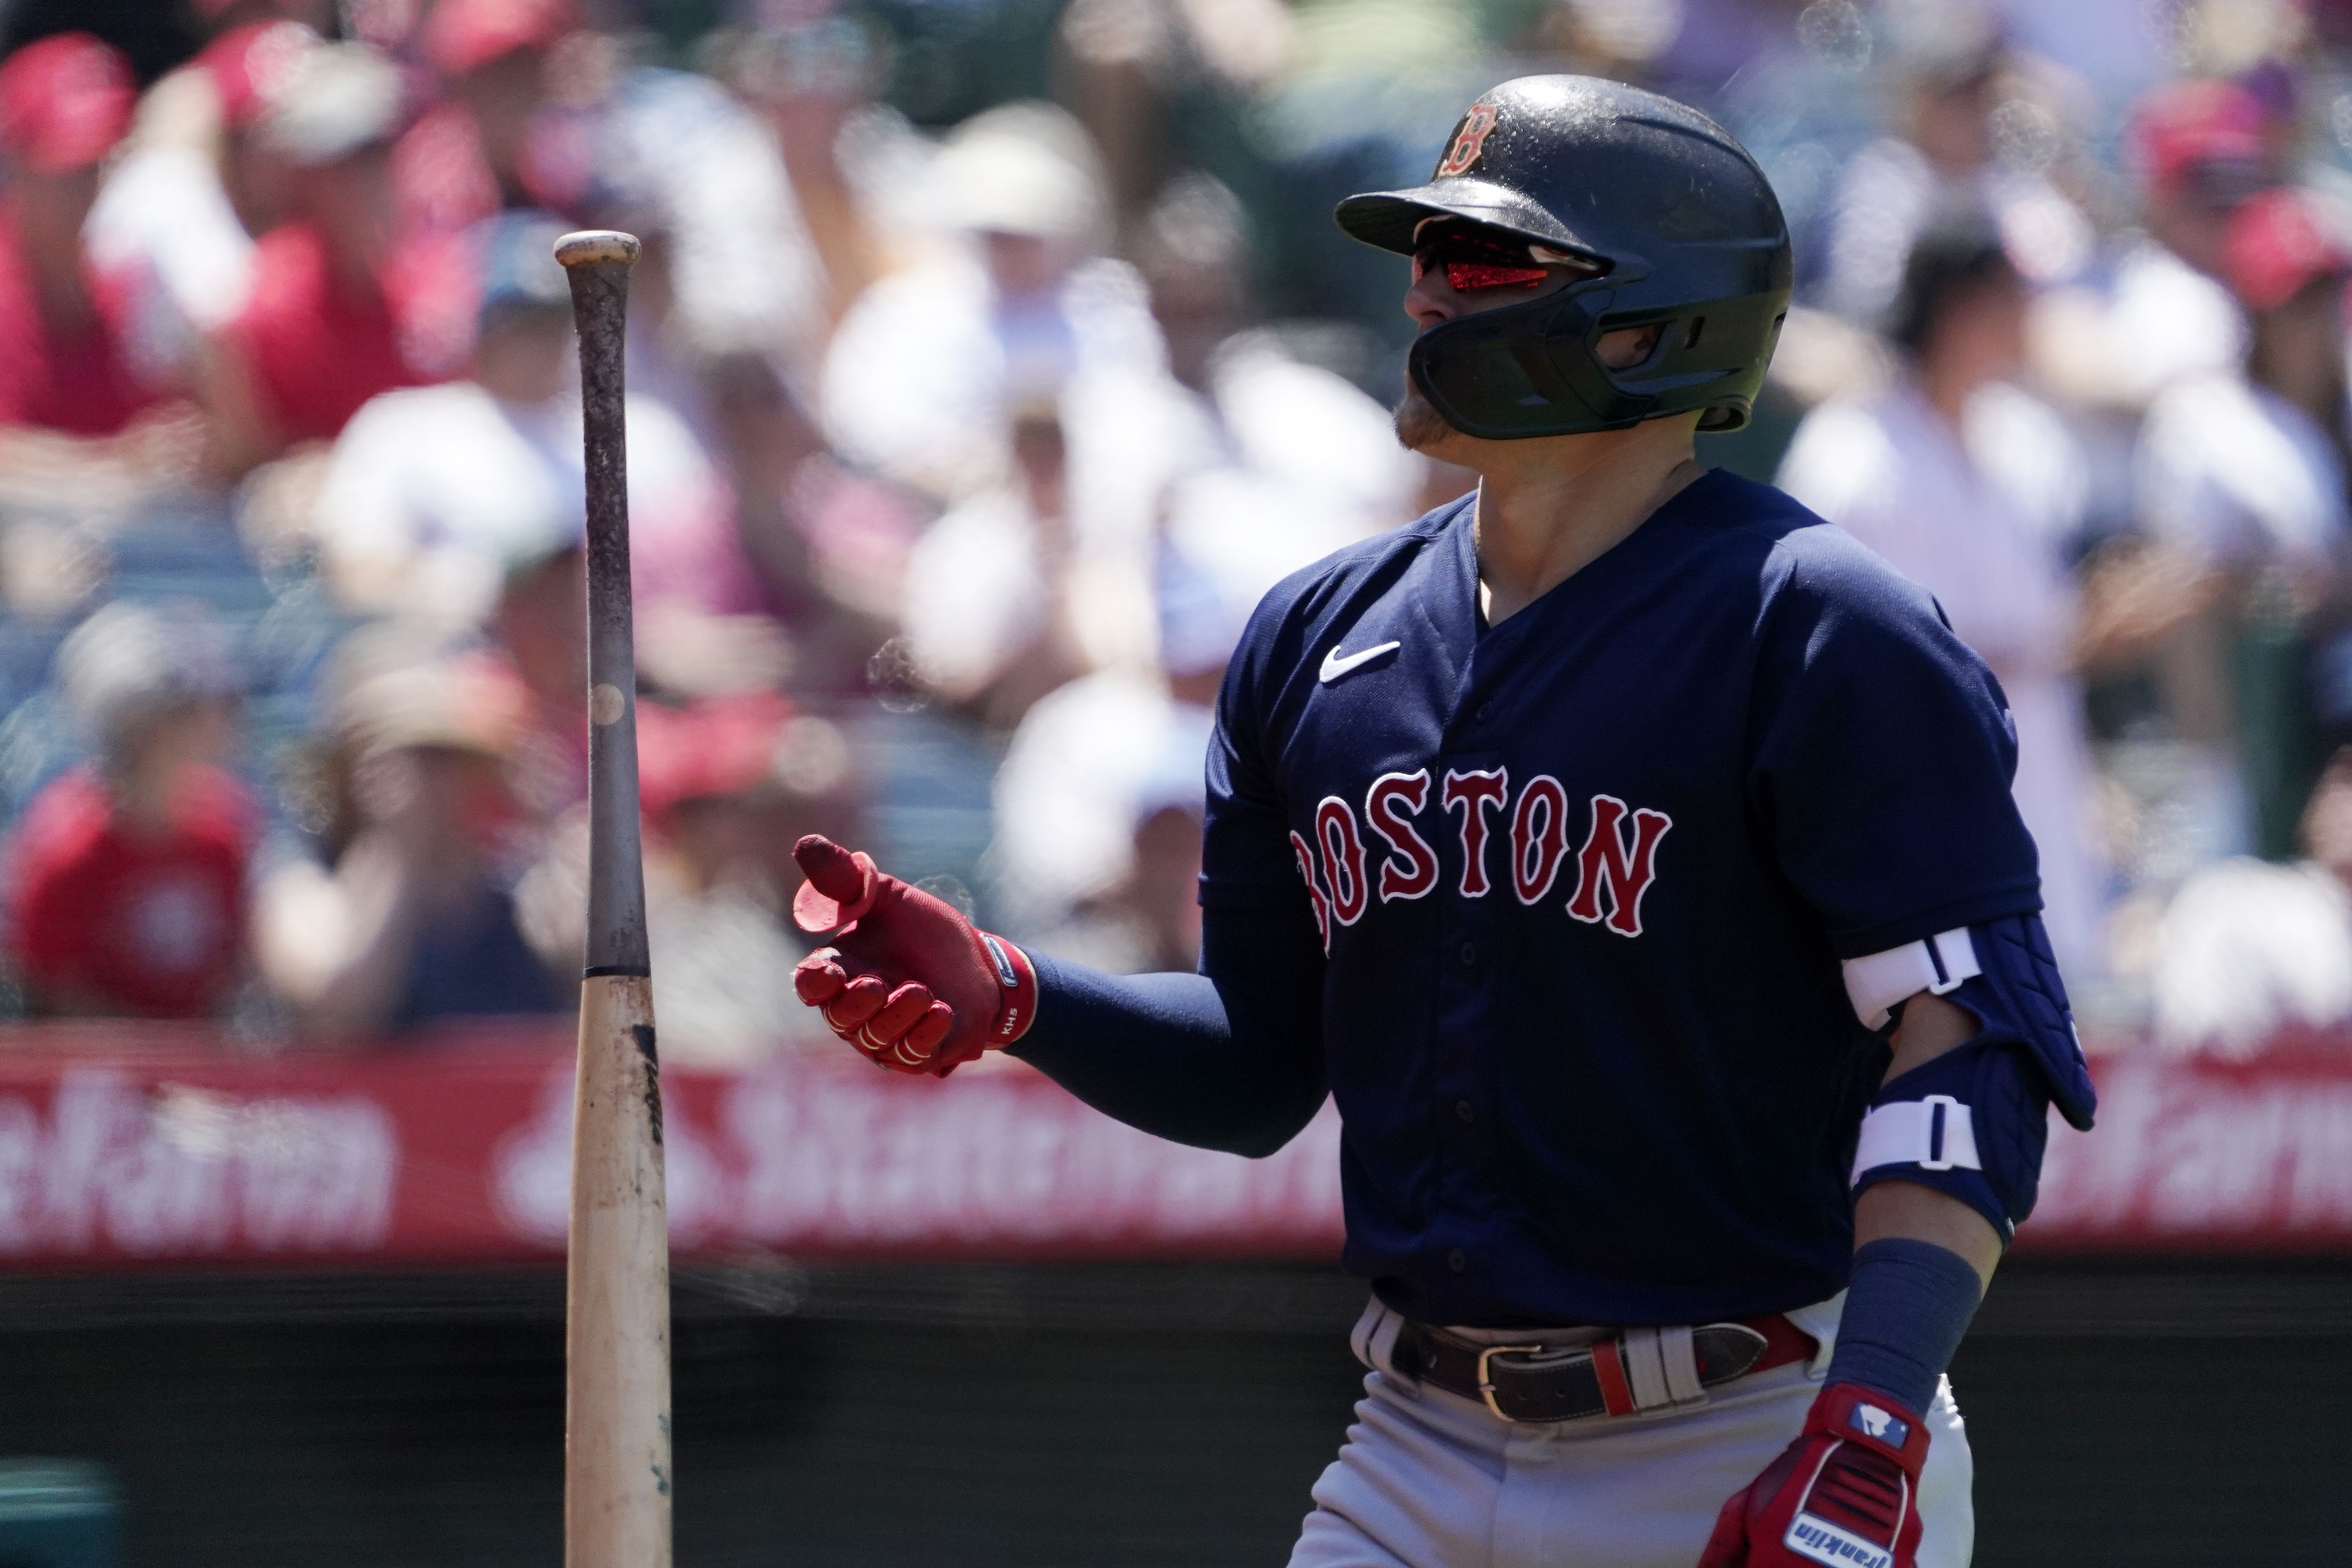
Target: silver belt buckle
[(1487, 1377)]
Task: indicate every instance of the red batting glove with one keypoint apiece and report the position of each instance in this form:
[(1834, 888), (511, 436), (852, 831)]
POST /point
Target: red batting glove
[(907, 979), (1846, 1493)]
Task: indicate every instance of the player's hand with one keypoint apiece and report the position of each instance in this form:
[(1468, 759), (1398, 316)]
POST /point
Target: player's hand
[(1846, 1492), (907, 979)]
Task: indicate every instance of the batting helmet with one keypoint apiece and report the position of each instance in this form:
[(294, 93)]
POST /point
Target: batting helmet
[(1681, 224)]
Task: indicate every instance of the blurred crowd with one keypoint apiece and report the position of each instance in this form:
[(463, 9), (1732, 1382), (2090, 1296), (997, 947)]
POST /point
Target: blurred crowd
[(987, 359)]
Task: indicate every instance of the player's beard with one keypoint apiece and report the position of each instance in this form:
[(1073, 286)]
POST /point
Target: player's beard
[(1419, 424)]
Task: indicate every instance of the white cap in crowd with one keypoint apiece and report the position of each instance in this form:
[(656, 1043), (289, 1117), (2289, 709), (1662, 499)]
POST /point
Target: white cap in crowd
[(131, 662), (340, 99), (1026, 169)]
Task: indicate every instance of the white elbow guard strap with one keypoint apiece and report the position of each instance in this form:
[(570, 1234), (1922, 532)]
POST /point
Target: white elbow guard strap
[(1937, 964), (1972, 1123), (2000, 970)]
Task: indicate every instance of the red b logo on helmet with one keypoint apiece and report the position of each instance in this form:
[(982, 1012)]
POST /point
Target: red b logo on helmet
[(1469, 141)]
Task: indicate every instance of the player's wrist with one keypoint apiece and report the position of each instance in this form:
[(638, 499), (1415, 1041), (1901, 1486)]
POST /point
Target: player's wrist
[(1016, 979), (1870, 1419), (1907, 1307)]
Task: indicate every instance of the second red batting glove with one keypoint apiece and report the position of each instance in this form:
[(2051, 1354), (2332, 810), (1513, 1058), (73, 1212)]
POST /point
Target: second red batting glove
[(905, 978), (1846, 1493)]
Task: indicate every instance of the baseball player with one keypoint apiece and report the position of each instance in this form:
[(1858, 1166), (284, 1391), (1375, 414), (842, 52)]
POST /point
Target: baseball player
[(1631, 855)]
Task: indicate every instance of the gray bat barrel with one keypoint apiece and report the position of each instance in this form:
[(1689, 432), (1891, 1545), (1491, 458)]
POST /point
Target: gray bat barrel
[(597, 263)]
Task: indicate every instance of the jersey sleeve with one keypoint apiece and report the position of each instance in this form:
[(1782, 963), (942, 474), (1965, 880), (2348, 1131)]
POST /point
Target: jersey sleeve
[(1881, 756), (1245, 857)]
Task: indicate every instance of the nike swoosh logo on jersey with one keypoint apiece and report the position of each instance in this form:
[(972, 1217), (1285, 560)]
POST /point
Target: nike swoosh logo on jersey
[(1334, 667)]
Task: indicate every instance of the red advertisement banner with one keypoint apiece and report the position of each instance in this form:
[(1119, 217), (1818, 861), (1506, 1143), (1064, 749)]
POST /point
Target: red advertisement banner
[(147, 1151)]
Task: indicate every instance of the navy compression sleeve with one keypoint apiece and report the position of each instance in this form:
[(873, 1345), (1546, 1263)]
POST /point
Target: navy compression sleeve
[(1908, 1305), (1230, 1058)]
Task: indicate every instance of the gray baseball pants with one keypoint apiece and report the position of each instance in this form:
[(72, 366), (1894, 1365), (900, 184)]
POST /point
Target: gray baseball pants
[(1428, 1479)]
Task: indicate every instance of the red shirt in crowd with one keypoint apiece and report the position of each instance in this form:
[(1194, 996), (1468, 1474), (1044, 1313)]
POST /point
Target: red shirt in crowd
[(317, 355), (79, 383), (150, 926)]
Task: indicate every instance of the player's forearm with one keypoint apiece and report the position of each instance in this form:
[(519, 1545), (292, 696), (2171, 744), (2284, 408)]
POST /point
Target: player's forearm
[(1922, 1258), (1931, 1026), (1233, 1063), (1906, 1209)]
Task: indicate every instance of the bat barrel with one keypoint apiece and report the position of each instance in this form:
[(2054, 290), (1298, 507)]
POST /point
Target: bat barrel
[(598, 264)]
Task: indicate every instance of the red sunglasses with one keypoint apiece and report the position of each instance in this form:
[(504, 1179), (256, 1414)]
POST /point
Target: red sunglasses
[(1476, 256)]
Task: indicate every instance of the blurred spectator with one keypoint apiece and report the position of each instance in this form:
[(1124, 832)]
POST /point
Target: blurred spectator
[(2201, 149), (176, 224), (922, 375), (2242, 476), (416, 924), (540, 626), (1149, 921), (433, 490), (1096, 759), (2248, 949), (714, 775), (991, 589), (1951, 72), (777, 238), (65, 102), (126, 892), (484, 147), (1970, 488), (1192, 488), (727, 785), (1247, 462), (830, 544), (336, 315), (1281, 462), (1091, 764)]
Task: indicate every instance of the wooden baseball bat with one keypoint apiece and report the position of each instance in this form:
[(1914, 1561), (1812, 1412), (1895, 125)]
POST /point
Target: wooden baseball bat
[(616, 1444)]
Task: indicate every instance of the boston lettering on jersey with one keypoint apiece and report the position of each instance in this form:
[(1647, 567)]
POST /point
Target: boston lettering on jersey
[(1613, 870), (1583, 880)]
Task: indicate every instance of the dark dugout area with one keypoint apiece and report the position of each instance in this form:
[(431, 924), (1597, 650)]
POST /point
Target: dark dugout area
[(2144, 1412)]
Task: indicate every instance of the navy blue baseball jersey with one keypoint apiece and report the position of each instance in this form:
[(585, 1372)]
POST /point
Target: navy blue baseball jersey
[(1584, 881)]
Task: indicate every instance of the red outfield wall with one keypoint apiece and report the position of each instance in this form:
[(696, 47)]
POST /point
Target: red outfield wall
[(129, 1149)]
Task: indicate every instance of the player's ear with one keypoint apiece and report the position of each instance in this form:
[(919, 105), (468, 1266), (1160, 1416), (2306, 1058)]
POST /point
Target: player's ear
[(1628, 346)]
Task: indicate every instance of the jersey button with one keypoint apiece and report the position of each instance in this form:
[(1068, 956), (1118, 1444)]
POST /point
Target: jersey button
[(1457, 1260), (1469, 953), (1466, 1110)]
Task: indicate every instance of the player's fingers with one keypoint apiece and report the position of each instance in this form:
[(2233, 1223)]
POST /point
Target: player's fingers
[(898, 1014), (838, 883), (923, 1036), (818, 978), (859, 1000)]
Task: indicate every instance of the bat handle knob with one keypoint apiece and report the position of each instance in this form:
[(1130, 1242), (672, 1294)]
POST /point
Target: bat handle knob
[(593, 245)]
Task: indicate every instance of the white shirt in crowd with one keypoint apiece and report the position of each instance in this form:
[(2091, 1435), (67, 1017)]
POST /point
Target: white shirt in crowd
[(2239, 475), (920, 379), (1977, 520), (163, 231), (746, 270), (1280, 465), (2246, 947), (432, 493), (1889, 193), (1185, 510), (2165, 323)]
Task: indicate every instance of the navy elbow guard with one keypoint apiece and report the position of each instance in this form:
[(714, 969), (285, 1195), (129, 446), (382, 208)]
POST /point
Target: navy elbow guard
[(1973, 1123)]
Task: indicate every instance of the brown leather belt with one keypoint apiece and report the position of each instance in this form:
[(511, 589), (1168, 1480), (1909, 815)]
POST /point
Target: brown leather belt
[(1622, 1373)]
